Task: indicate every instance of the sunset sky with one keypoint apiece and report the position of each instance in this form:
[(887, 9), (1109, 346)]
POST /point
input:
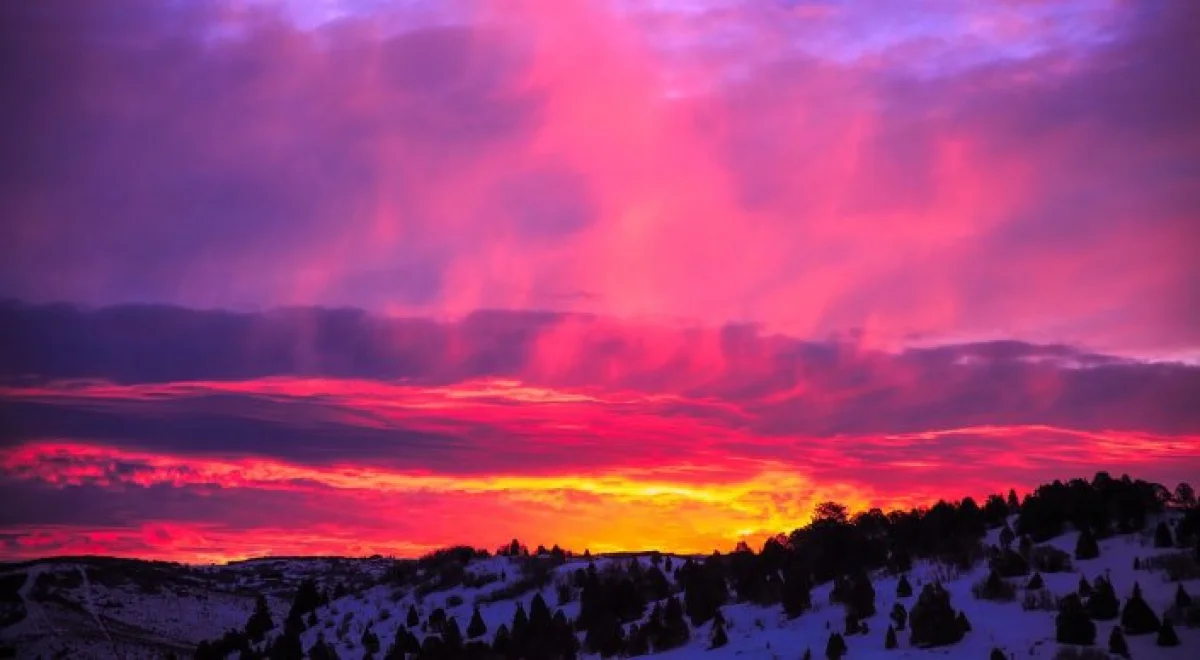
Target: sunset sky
[(354, 276)]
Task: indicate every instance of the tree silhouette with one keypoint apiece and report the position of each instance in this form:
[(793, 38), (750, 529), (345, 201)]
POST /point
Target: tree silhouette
[(476, 627)]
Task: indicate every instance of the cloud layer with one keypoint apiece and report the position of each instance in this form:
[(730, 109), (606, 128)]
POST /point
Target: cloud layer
[(124, 419), (621, 274), (1025, 174)]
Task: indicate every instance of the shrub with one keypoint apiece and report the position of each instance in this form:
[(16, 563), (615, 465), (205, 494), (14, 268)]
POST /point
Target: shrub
[(1177, 566), (1040, 600), (994, 588), (1049, 559), (1009, 564)]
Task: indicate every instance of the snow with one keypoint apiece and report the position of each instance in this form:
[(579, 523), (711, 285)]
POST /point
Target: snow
[(91, 613)]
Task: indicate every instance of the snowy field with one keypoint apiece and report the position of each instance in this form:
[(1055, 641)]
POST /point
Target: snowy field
[(105, 608)]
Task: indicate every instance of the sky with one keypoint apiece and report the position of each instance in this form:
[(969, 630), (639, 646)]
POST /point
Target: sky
[(355, 277)]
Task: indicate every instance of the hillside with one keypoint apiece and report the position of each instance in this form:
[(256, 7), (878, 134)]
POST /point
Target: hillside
[(95, 607)]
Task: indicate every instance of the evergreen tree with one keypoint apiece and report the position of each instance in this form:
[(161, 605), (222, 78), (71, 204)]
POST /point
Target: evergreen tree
[(520, 626), (370, 641), (1085, 588), (321, 650), (903, 588), (889, 640), (476, 627), (807, 655), (451, 635), (675, 629), (997, 654), (286, 647), (1182, 599), (899, 616), (835, 648), (1086, 546), (719, 638), (1116, 643), (539, 616), (933, 620), (1103, 604), (1166, 634), (414, 619), (1072, 625), (1137, 618), (605, 635), (312, 619), (1013, 504), (501, 642), (963, 623), (1035, 582), (1162, 536), (796, 596), (1006, 537), (861, 603), (260, 620)]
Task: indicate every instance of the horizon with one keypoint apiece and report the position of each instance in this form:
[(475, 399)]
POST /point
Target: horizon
[(293, 278)]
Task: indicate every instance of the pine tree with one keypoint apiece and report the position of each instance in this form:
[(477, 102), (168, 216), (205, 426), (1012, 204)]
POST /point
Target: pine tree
[(1137, 617), (1072, 625), (1166, 634), (807, 654), (903, 588), (1162, 536), (1035, 582), (899, 616), (997, 654), (889, 640), (1006, 536), (719, 638), (933, 621), (1182, 599), (796, 594), (835, 648), (414, 619), (520, 626), (1086, 546), (260, 620), (1013, 504), (451, 635), (1116, 643), (1103, 604), (963, 623), (1085, 588), (321, 650), (501, 642), (370, 641), (476, 627)]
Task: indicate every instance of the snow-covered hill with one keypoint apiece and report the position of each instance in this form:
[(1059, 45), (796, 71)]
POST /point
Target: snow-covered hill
[(102, 608)]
